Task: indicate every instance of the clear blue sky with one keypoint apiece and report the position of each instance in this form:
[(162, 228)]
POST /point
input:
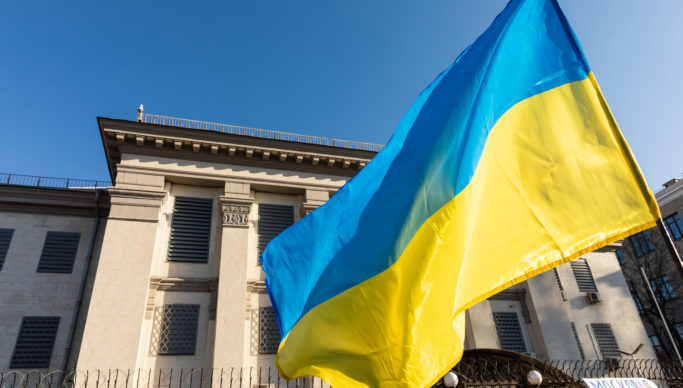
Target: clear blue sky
[(343, 69)]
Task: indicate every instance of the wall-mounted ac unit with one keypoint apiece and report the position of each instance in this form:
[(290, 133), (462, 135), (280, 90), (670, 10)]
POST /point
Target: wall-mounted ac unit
[(593, 297)]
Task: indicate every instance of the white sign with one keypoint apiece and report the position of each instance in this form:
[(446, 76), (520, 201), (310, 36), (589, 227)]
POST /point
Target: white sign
[(630, 382)]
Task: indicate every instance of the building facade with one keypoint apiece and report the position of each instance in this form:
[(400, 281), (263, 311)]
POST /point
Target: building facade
[(647, 249), (161, 269)]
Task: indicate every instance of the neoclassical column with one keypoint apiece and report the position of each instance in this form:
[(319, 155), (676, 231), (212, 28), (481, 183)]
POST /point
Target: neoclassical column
[(230, 340)]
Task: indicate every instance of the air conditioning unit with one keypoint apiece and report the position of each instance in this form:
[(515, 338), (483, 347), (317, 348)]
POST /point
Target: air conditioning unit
[(593, 297)]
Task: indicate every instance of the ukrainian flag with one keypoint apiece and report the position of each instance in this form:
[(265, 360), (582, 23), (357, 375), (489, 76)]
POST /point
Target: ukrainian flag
[(508, 164)]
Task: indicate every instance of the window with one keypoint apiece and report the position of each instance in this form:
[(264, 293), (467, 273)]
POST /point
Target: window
[(509, 331), (583, 275), (654, 340), (273, 220), (578, 342), (268, 333), (674, 225), (679, 330), (620, 256), (35, 342), (59, 252), (178, 334), (641, 243), (662, 289), (604, 336), (639, 305), (5, 238), (190, 230)]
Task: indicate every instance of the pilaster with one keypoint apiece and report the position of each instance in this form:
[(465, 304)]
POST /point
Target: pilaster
[(236, 205)]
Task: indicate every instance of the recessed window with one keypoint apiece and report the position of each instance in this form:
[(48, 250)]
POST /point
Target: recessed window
[(35, 342), (268, 332), (273, 220), (607, 342), (674, 225), (509, 331), (583, 275), (5, 239), (59, 252), (176, 326), (190, 230), (662, 289), (641, 243)]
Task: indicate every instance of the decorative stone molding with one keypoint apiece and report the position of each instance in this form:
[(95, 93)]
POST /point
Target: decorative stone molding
[(236, 213), (156, 283), (515, 294), (257, 286)]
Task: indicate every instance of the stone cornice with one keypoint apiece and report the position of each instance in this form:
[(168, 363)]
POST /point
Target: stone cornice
[(119, 136), (158, 283)]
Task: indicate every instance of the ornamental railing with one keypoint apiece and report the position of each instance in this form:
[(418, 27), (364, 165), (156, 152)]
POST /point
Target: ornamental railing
[(256, 132), (52, 182), (470, 373)]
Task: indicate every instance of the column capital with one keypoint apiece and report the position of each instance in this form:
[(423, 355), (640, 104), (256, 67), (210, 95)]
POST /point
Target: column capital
[(236, 211)]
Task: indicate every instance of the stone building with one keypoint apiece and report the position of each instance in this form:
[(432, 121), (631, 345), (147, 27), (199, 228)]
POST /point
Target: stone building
[(161, 268), (648, 249)]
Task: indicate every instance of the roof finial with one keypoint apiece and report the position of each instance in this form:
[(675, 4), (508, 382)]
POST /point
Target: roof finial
[(141, 109)]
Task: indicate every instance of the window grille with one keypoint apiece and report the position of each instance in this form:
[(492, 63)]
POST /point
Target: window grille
[(578, 342), (175, 329), (268, 333), (662, 289), (35, 342), (273, 220), (583, 275), (641, 243), (190, 230), (674, 225), (59, 252), (607, 342), (509, 331), (5, 239)]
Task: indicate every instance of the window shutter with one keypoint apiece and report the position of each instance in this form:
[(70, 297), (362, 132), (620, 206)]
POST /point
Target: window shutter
[(178, 334), (607, 343), (583, 275), (509, 331), (5, 239), (268, 333), (190, 230), (273, 220), (578, 342), (35, 342), (59, 252)]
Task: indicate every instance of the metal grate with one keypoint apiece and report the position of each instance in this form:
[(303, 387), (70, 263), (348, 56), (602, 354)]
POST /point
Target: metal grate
[(273, 220), (578, 342), (269, 334), (59, 252), (557, 278), (583, 275), (35, 342), (5, 239), (607, 342), (176, 329), (190, 230), (509, 331)]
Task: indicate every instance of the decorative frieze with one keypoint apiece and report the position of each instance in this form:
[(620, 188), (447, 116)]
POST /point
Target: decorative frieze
[(236, 213)]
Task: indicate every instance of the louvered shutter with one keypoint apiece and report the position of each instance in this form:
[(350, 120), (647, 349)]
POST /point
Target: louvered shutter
[(190, 230), (5, 239), (59, 252), (273, 220), (583, 275), (607, 342), (509, 331), (35, 342)]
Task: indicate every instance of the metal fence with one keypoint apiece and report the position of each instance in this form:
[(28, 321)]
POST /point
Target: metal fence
[(255, 132), (470, 372), (44, 181)]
